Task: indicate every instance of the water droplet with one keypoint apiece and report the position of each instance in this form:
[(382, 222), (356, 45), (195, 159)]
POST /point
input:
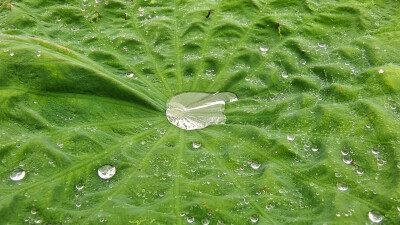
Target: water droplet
[(131, 75), (345, 152), (347, 63), (17, 175), (205, 221), (196, 145), (78, 205), (342, 186), (347, 159), (264, 49), (285, 75), (60, 145), (255, 165), (254, 218), (303, 61), (190, 219), (33, 211), (269, 206), (11, 54), (359, 171), (79, 187), (398, 208), (106, 172), (195, 110), (141, 11), (290, 138), (35, 102), (322, 45), (381, 70), (38, 53), (375, 151), (38, 220), (314, 149), (375, 216)]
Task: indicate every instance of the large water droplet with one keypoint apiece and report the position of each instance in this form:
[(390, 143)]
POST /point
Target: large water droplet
[(342, 186), (195, 110), (17, 175), (375, 216), (106, 172)]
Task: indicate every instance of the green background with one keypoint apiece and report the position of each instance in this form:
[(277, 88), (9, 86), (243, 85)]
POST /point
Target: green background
[(330, 80)]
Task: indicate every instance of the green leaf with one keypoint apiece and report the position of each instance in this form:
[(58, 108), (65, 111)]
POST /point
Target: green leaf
[(313, 139)]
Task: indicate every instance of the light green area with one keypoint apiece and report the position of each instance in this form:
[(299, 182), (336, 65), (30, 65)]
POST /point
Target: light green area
[(327, 86)]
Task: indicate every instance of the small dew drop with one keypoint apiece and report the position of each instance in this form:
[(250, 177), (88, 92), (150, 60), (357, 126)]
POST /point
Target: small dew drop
[(254, 218), (322, 45), (285, 75), (38, 53), (375, 216), (196, 145), (11, 54), (205, 221), (360, 171), (347, 159), (345, 152), (255, 165), (78, 205), (290, 138), (269, 206), (79, 187), (33, 211), (314, 149), (190, 219), (375, 151), (130, 75), (398, 208), (38, 220), (264, 49), (303, 61), (342, 186), (106, 172), (141, 10), (381, 71), (60, 145), (17, 175)]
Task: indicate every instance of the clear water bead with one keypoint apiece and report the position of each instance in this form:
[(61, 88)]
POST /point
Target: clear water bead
[(290, 138), (254, 218), (205, 221), (196, 145), (106, 172), (375, 216), (196, 110), (381, 71), (255, 165), (17, 175), (285, 75), (79, 187), (11, 54), (342, 186), (264, 49), (314, 149), (190, 219)]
